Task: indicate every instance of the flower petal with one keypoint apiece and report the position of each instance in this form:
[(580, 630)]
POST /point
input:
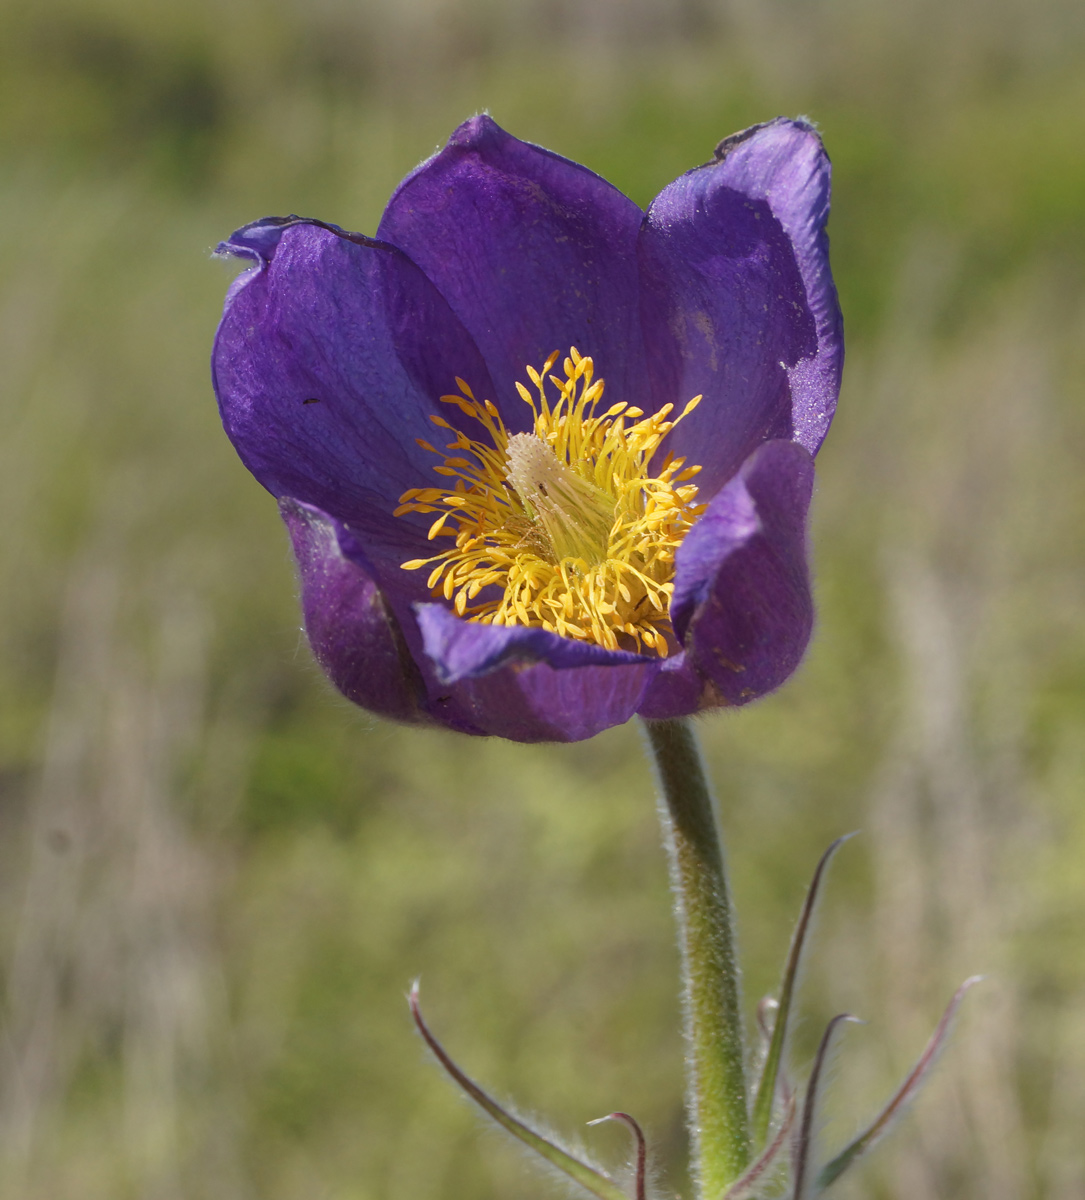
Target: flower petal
[(370, 645), (742, 605), (469, 649), (541, 704), (785, 162), (331, 356), (530, 685), (354, 635), (735, 279), (533, 252), (678, 690)]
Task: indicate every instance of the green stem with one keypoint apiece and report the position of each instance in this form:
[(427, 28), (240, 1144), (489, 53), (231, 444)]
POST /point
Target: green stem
[(716, 1080)]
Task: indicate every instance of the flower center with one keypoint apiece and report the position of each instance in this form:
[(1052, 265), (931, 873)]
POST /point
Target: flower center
[(573, 515), (562, 528)]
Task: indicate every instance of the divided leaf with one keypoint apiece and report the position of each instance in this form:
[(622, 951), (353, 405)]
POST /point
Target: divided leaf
[(589, 1177), (748, 1180), (805, 1140), (907, 1090), (640, 1177), (766, 1088)]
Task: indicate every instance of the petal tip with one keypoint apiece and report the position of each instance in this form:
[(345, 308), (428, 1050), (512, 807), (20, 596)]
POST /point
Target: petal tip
[(477, 131), (802, 126), (259, 239)]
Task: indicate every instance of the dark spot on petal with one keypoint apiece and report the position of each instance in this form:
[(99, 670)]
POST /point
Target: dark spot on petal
[(736, 139), (312, 400)]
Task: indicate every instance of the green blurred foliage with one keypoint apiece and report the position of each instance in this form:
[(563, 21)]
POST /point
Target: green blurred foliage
[(220, 879)]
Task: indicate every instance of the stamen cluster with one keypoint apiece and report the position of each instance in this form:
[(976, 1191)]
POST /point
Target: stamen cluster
[(561, 528)]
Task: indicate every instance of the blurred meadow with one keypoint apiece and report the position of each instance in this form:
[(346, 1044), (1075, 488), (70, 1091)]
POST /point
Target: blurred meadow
[(217, 879)]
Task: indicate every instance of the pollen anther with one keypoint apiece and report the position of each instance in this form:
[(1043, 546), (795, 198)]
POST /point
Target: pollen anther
[(561, 528)]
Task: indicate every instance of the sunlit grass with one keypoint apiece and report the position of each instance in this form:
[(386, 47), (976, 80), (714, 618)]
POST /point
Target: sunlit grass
[(220, 879)]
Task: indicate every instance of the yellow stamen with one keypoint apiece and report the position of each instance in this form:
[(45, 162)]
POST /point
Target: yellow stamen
[(563, 525)]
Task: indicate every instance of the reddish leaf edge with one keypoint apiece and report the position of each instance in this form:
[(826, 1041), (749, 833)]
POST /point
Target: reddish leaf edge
[(805, 1136), (764, 1103), (593, 1180), (745, 1183), (907, 1091), (640, 1168)]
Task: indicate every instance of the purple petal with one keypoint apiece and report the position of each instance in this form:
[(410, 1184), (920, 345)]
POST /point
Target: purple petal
[(736, 286), (786, 164), (529, 684), (354, 635), (329, 360), (369, 643), (468, 649), (259, 240), (533, 252), (678, 690), (741, 603), (542, 704)]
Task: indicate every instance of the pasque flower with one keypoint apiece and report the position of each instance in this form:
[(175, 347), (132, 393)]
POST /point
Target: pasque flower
[(546, 459)]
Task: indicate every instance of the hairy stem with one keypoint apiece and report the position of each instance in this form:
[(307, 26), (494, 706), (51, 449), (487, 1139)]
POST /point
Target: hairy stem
[(716, 1081)]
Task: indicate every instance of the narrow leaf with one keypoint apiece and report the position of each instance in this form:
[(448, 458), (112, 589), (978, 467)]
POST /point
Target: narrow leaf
[(767, 1008), (804, 1141), (640, 1177), (591, 1179), (907, 1090), (745, 1183), (766, 1017), (766, 1088)]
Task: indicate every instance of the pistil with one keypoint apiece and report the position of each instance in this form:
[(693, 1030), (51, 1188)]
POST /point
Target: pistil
[(575, 515)]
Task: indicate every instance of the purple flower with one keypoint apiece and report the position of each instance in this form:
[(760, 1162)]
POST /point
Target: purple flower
[(484, 541)]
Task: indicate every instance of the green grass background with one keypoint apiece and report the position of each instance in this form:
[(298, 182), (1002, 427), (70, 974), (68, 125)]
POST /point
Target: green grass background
[(217, 879)]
